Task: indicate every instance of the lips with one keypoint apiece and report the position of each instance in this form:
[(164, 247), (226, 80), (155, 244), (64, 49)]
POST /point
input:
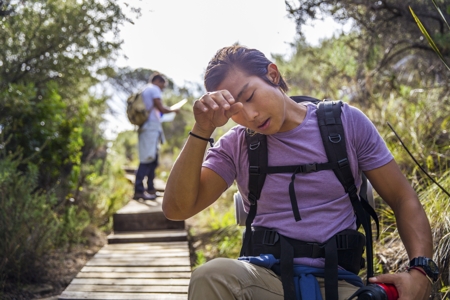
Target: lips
[(264, 125)]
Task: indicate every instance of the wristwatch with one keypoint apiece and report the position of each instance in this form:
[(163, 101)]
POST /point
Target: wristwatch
[(428, 265)]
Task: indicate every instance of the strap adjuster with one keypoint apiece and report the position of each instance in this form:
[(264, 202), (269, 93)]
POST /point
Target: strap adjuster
[(352, 190), (342, 242), (255, 170), (343, 162), (252, 199), (270, 237), (309, 168)]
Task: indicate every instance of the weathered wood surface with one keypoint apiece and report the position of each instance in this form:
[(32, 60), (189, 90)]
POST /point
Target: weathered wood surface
[(143, 216), (144, 264)]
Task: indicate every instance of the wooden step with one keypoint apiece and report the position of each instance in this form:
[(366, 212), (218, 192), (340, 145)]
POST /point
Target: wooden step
[(143, 216), (173, 235), (134, 271), (69, 295)]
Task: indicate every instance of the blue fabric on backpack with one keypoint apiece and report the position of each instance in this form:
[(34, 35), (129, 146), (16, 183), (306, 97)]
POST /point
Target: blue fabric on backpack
[(306, 285)]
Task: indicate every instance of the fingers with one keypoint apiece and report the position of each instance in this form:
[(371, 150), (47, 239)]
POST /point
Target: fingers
[(385, 278), (234, 109), (215, 101)]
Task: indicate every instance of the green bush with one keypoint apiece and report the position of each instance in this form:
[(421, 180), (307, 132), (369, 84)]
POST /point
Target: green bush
[(28, 224)]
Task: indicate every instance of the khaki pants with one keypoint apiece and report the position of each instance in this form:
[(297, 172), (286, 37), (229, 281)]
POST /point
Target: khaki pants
[(227, 279)]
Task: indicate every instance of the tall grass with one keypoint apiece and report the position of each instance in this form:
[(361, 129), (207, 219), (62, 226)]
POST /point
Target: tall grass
[(422, 119)]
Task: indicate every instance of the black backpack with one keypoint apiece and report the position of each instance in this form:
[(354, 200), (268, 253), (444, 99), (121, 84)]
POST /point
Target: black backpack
[(341, 247)]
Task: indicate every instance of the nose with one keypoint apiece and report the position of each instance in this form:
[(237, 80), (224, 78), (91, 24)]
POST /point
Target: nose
[(250, 112)]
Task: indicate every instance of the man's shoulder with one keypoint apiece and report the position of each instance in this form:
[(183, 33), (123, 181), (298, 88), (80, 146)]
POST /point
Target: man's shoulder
[(152, 91)]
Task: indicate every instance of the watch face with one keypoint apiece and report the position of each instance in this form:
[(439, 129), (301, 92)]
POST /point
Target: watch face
[(428, 265), (432, 266)]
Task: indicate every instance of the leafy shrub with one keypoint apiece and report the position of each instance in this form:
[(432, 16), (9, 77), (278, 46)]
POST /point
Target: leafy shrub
[(27, 222)]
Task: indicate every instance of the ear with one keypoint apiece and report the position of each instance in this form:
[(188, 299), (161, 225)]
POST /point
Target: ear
[(273, 74)]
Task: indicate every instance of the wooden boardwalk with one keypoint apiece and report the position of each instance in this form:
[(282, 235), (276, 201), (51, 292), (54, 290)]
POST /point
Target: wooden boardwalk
[(147, 257)]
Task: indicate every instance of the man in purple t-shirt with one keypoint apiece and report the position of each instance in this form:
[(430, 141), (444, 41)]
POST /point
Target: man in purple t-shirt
[(323, 204), (245, 86)]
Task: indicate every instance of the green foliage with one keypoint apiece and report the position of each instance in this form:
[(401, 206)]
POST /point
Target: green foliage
[(332, 70), (125, 148), (428, 37), (216, 230), (200, 260), (59, 41), (49, 58), (28, 224)]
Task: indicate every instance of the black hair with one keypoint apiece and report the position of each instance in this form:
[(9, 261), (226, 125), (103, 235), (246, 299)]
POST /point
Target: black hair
[(250, 61), (157, 77)]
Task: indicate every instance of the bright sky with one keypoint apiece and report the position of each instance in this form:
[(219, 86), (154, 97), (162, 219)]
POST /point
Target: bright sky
[(178, 37)]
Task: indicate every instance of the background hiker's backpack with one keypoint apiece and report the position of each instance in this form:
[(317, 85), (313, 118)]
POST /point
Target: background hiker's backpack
[(136, 111)]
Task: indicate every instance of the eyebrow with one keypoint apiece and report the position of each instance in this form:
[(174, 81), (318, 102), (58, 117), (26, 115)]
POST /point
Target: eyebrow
[(242, 91)]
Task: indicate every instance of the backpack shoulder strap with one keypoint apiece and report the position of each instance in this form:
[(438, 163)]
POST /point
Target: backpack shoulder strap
[(258, 161), (333, 137)]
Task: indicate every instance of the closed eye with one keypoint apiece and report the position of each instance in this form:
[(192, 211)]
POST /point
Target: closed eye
[(250, 98)]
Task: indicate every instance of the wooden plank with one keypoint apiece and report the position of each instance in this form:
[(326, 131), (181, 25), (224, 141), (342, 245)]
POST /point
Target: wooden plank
[(185, 275), (119, 296), (138, 269), (148, 236), (143, 255), (144, 246), (148, 262), (136, 207), (170, 248), (151, 233), (137, 281), (173, 289)]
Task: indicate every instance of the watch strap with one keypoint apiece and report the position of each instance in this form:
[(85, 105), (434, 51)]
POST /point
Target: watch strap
[(428, 266)]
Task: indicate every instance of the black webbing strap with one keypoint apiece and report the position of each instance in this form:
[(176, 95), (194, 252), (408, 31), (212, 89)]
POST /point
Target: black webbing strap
[(333, 137), (257, 158), (365, 203), (307, 168), (287, 269), (331, 270)]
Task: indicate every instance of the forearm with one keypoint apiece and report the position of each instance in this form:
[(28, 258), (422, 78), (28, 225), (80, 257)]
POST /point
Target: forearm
[(183, 185), (165, 109), (414, 228)]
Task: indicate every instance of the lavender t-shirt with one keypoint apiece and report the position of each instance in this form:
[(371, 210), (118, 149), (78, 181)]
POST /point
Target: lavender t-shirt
[(324, 206)]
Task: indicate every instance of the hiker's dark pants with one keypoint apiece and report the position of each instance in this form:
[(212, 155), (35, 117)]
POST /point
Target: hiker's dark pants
[(145, 170)]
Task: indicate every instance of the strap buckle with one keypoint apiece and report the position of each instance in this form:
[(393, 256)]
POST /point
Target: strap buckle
[(342, 242), (309, 168), (270, 237)]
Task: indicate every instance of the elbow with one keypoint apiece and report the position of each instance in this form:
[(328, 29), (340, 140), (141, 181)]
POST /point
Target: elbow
[(171, 211)]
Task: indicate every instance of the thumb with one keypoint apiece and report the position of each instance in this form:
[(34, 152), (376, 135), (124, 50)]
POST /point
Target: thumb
[(384, 278)]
